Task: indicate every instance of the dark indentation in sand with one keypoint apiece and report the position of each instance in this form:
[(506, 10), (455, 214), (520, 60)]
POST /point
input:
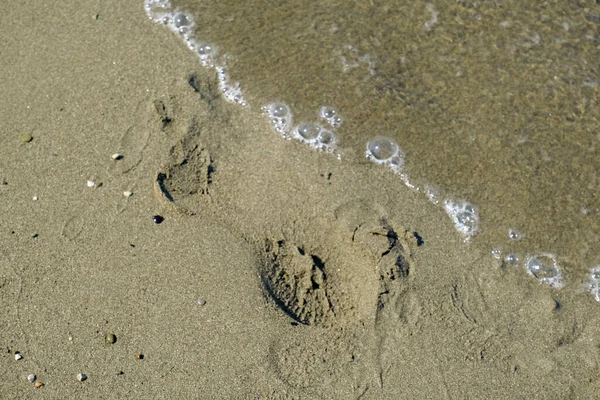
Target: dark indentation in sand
[(189, 173), (420, 241), (297, 282), (161, 110)]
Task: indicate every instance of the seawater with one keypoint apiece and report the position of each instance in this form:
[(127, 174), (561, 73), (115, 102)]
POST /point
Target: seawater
[(493, 106)]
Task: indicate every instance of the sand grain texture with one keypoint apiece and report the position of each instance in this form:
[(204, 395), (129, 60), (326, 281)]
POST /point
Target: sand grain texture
[(314, 283)]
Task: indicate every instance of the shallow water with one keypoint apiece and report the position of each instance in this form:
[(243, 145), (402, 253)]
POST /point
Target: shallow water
[(495, 104)]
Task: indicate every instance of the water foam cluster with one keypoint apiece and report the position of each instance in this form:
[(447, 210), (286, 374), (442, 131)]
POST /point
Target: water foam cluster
[(464, 215), (183, 24), (331, 115), (311, 133), (383, 150), (544, 267), (594, 283)]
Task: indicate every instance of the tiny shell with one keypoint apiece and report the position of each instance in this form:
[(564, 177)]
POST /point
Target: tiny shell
[(127, 193), (31, 378), (110, 338), (91, 184), (81, 377), (18, 356), (117, 156)]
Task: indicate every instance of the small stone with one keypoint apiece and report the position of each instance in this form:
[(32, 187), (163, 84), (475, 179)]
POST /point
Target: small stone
[(139, 356), (81, 377), (158, 219), (117, 156), (127, 193), (110, 338), (91, 184), (26, 138), (201, 302), (38, 384), (96, 17), (31, 378), (18, 356), (35, 198)]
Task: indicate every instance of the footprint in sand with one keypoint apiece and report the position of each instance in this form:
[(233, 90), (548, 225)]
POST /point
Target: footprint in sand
[(345, 274), (187, 175), (338, 273)]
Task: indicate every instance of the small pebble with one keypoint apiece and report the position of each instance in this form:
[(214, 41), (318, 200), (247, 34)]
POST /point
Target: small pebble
[(26, 138), (91, 184), (18, 356), (117, 156), (201, 302), (158, 219), (35, 198), (38, 384), (31, 378), (127, 193), (139, 356), (110, 338), (81, 377)]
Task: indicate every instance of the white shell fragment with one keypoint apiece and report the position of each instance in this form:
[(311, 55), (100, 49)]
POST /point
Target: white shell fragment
[(31, 378), (35, 198), (127, 193), (81, 377), (91, 184), (18, 356), (117, 156)]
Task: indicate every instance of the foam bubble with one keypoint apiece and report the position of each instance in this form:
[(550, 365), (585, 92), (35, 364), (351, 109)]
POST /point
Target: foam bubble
[(158, 10), (383, 150), (280, 116), (464, 215), (326, 140), (514, 234), (207, 54), (231, 91), (307, 132), (594, 284), (512, 260), (496, 253), (331, 115), (544, 267)]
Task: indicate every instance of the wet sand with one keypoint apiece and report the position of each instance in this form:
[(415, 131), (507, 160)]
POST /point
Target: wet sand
[(278, 272)]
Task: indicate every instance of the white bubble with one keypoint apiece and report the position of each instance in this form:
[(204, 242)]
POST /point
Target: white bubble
[(496, 253), (331, 115), (544, 267), (512, 259), (206, 52), (158, 10), (514, 234), (383, 150), (326, 140), (464, 215), (280, 116), (231, 91), (307, 132), (183, 24), (594, 283), (182, 20)]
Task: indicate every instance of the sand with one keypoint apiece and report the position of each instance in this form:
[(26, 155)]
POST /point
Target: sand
[(278, 272)]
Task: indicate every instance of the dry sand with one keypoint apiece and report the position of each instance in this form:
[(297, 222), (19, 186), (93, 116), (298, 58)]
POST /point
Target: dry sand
[(277, 273)]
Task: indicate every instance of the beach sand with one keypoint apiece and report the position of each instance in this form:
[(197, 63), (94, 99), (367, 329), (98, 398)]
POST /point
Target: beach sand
[(278, 272)]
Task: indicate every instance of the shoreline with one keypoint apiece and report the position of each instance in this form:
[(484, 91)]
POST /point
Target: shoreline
[(278, 272)]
